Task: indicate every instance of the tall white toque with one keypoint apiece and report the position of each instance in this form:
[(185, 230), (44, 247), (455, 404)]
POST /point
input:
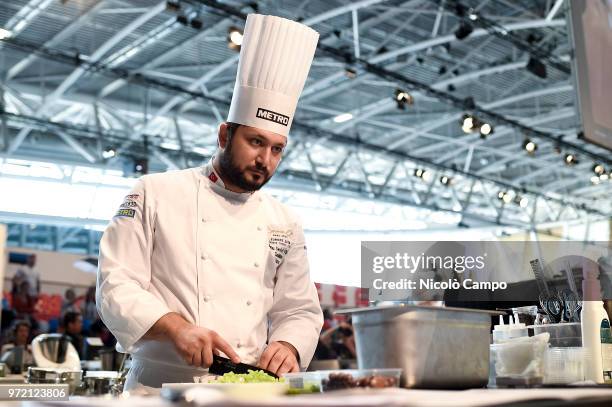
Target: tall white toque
[(275, 58)]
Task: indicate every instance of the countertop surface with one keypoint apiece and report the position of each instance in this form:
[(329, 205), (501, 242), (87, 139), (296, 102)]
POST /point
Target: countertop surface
[(369, 398)]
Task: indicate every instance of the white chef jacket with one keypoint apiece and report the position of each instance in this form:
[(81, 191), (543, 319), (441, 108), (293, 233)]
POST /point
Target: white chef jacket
[(235, 263)]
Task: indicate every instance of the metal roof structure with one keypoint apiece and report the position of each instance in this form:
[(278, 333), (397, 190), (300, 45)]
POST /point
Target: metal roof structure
[(153, 79)]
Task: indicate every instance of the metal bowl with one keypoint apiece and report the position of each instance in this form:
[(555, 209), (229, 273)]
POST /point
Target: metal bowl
[(41, 375), (98, 383)]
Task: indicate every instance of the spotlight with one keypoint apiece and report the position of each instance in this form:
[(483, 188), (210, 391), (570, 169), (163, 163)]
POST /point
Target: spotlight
[(500, 195), (594, 180), (445, 180), (463, 31), (350, 73), (4, 34), (418, 172), (570, 159), (485, 129), (234, 38), (403, 98), (109, 152), (197, 23), (523, 202), (536, 67), (530, 146), (182, 19), (508, 197), (468, 123), (344, 117), (173, 5), (598, 169), (141, 166), (604, 177)]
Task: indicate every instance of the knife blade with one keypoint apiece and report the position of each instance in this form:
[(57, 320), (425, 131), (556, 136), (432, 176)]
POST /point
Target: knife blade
[(221, 365)]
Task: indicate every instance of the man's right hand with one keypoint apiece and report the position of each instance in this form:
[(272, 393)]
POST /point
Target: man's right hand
[(195, 344)]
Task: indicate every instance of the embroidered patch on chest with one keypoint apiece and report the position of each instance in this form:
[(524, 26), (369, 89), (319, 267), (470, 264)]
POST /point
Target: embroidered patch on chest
[(279, 241)]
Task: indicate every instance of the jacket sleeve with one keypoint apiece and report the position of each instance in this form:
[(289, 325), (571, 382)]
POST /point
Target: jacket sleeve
[(123, 301), (296, 315)]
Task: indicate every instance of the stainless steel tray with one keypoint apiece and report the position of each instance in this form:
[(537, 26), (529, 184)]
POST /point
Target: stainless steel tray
[(436, 347)]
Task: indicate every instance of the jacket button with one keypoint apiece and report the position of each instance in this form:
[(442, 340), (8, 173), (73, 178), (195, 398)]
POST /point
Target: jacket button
[(258, 227), (256, 264), (248, 303), (203, 220), (206, 298), (203, 257), (239, 345)]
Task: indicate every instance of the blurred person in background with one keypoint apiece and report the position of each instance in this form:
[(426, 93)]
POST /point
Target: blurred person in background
[(29, 274), (17, 353), (73, 329), (69, 303), (23, 302), (88, 310)]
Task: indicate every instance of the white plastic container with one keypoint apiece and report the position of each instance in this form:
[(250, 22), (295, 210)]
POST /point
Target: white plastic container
[(591, 317)]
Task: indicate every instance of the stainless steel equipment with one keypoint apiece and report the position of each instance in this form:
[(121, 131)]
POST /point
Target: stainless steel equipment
[(41, 375), (436, 347), (55, 351), (102, 382)]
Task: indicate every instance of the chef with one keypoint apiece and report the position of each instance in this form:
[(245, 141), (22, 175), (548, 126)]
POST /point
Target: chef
[(200, 262)]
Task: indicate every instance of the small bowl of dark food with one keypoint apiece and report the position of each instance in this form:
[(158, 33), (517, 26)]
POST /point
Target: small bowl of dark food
[(360, 378)]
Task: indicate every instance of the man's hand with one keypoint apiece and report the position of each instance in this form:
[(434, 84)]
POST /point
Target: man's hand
[(279, 357), (195, 344)]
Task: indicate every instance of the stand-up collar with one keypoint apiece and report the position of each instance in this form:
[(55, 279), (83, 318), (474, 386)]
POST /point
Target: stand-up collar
[(217, 185)]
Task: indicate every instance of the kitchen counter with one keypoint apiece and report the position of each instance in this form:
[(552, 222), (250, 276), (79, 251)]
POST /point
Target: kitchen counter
[(385, 397)]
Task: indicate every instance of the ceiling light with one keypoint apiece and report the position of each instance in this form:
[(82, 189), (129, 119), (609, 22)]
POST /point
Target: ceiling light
[(473, 16), (463, 31), (500, 195), (598, 169), (604, 177), (109, 152), (403, 98), (486, 129), (197, 24), (234, 38), (445, 180), (350, 73), (570, 159), (173, 5), (426, 175), (4, 34), (468, 123), (182, 19), (507, 197), (523, 202), (170, 146), (418, 172), (594, 180), (536, 67), (344, 117), (530, 146)]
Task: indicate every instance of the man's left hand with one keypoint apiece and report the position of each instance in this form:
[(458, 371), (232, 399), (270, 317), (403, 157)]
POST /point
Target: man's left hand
[(279, 357)]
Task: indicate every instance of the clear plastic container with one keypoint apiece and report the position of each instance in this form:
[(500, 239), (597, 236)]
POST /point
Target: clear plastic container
[(303, 382), (564, 365), (520, 360), (563, 335), (363, 378)]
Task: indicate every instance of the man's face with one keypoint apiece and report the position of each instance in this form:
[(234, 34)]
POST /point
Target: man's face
[(251, 157), (75, 327), (21, 335)]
